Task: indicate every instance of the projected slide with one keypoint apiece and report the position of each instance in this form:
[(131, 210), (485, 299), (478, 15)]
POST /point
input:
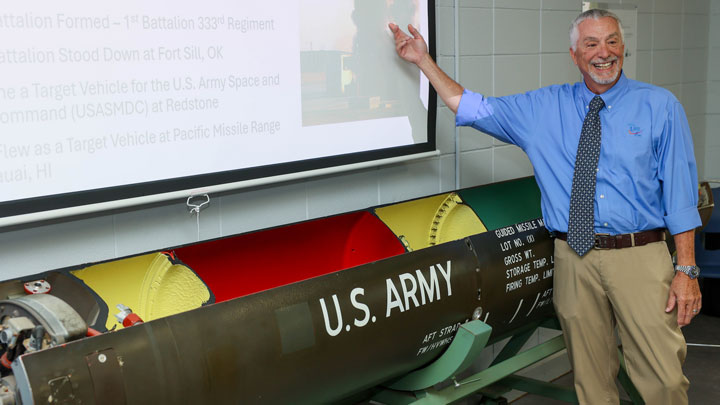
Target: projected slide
[(102, 94)]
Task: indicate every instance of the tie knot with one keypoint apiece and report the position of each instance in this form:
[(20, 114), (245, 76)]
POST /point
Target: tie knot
[(596, 103)]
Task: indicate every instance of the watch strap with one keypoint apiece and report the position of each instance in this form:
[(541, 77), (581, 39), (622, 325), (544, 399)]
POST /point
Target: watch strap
[(691, 271)]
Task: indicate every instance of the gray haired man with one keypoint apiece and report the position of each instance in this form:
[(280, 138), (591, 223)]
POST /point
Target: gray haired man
[(614, 161)]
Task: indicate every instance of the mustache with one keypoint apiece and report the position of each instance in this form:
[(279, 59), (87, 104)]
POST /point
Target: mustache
[(611, 58)]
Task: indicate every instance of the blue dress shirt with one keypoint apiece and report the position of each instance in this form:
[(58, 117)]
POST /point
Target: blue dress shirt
[(647, 176)]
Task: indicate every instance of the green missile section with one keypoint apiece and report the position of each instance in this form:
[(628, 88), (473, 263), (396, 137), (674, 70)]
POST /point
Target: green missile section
[(500, 204)]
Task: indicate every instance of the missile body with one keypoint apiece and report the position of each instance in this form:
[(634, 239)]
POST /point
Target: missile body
[(314, 341)]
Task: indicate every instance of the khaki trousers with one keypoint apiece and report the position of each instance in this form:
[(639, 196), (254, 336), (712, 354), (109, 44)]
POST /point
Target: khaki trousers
[(627, 288)]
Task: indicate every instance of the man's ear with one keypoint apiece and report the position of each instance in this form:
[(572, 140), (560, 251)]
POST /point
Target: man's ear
[(572, 56)]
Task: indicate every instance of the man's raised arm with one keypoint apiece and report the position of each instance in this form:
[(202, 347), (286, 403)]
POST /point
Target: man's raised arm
[(413, 49)]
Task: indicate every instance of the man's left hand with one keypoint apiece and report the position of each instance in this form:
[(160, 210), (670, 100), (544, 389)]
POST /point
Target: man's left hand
[(685, 293)]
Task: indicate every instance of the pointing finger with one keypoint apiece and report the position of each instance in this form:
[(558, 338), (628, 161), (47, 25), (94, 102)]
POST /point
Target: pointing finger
[(415, 33), (399, 34)]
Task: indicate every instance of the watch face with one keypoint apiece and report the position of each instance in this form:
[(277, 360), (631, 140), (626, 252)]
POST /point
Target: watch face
[(695, 271)]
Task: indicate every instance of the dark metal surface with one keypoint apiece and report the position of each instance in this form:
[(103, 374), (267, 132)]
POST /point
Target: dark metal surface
[(106, 374), (245, 350), (315, 341), (61, 391), (516, 263)]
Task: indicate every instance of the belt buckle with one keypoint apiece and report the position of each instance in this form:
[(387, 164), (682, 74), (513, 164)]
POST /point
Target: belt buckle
[(601, 241)]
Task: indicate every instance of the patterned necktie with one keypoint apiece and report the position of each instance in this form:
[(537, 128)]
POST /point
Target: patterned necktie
[(581, 229)]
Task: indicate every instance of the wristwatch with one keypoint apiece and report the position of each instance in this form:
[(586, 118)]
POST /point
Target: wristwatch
[(691, 271)]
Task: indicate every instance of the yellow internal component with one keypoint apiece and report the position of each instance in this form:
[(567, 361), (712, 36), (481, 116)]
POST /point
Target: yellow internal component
[(429, 221), (150, 285)]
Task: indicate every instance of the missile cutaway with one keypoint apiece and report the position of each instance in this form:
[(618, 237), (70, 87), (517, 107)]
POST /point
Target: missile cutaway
[(310, 312)]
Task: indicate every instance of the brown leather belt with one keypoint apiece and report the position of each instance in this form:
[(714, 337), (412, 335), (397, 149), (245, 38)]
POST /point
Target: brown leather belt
[(605, 241)]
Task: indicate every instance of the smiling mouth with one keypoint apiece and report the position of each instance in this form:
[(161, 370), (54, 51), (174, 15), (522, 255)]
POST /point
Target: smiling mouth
[(604, 65)]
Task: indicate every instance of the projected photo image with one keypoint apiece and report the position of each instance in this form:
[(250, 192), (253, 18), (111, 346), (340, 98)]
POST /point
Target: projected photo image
[(349, 69)]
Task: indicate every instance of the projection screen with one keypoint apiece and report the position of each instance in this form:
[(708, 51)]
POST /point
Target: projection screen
[(103, 102)]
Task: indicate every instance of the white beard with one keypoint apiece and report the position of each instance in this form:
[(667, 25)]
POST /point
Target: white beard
[(604, 80)]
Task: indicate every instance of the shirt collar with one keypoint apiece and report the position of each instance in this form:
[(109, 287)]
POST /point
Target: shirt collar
[(610, 97)]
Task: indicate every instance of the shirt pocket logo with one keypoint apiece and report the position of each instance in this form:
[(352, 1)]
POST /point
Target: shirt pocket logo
[(634, 130)]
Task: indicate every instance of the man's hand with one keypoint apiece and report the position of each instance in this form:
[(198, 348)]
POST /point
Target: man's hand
[(684, 292), (412, 49)]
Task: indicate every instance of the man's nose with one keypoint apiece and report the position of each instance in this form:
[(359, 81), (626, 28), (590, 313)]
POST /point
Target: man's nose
[(603, 51)]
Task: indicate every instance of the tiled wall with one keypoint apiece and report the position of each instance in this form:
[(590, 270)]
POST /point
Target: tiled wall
[(527, 47), (505, 47), (681, 53), (673, 52), (712, 126)]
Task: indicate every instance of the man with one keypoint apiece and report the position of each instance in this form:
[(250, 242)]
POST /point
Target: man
[(612, 156)]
